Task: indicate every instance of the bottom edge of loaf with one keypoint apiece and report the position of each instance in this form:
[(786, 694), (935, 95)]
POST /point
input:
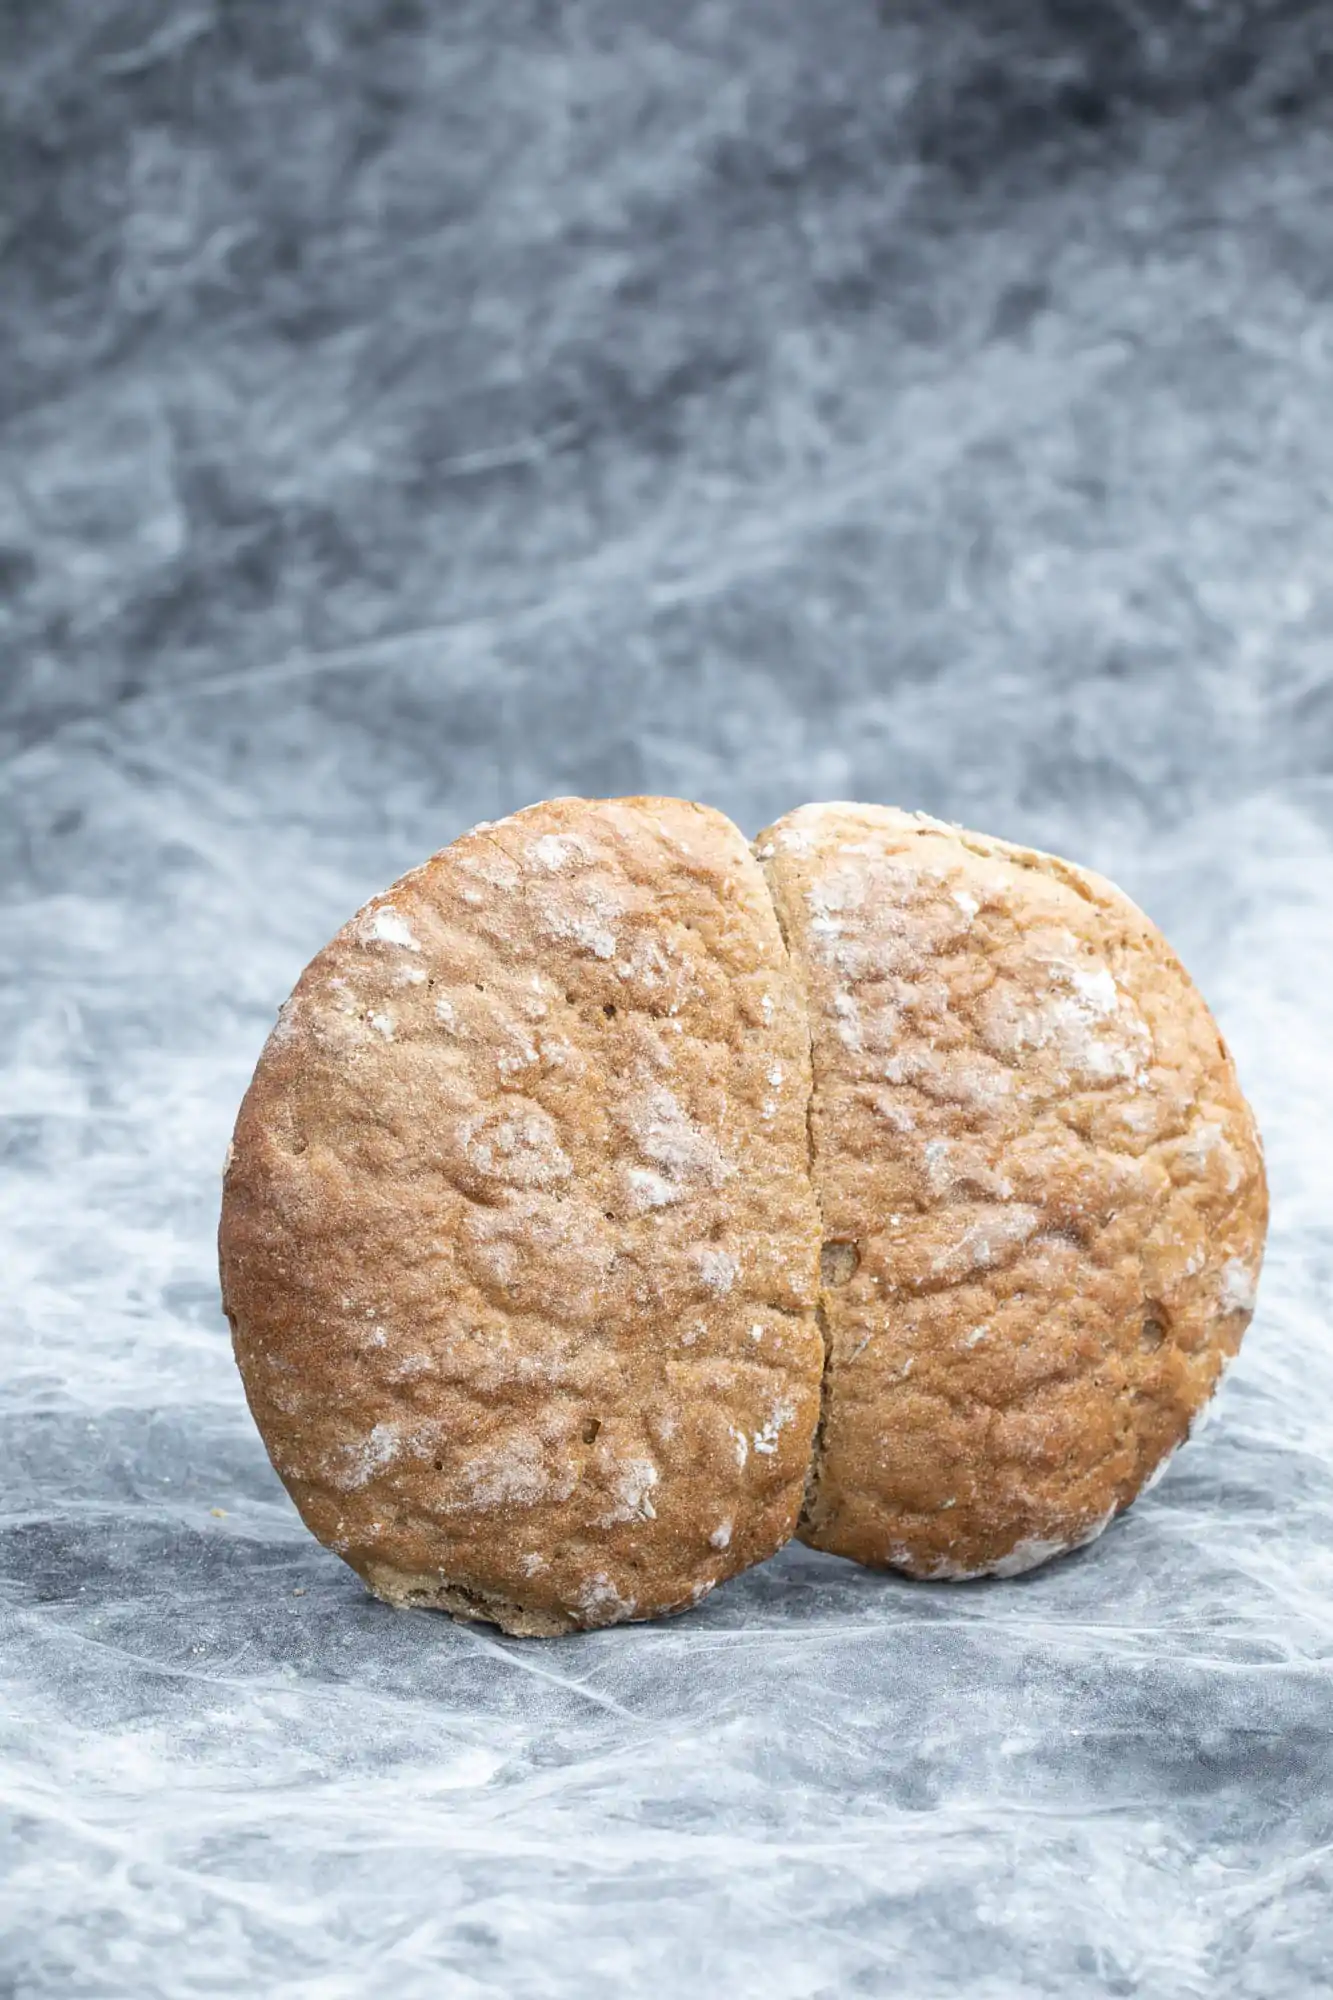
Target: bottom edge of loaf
[(1024, 1553), (430, 1592)]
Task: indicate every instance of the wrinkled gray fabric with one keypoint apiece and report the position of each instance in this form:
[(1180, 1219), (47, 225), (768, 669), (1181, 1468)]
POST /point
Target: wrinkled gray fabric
[(408, 413)]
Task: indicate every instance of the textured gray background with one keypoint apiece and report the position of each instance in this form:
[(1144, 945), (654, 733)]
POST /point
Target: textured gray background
[(409, 411)]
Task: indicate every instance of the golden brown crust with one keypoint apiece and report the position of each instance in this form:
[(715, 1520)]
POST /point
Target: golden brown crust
[(1042, 1190), (518, 1242)]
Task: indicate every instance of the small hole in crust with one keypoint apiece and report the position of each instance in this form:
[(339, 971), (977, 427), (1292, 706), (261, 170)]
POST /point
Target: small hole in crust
[(1153, 1331), (1068, 1233), (838, 1263), (439, 1465), (590, 1430), (299, 1143), (610, 1010)]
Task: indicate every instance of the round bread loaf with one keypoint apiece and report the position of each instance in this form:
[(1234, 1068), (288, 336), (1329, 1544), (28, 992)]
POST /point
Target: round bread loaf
[(579, 1158), (1042, 1191), (518, 1242)]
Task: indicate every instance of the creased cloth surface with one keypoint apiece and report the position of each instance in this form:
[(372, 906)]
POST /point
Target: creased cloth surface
[(409, 413)]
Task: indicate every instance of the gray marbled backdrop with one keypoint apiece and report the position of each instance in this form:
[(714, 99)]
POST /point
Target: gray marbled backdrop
[(408, 411)]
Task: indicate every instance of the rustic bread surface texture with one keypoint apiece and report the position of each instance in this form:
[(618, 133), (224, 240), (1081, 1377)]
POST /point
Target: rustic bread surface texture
[(518, 1241), (1042, 1191)]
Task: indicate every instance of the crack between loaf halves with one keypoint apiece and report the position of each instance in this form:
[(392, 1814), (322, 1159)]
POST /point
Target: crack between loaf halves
[(815, 1467)]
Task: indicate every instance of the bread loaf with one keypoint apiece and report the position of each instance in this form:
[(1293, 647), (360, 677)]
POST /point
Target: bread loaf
[(563, 1286), (518, 1241), (1042, 1191)]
